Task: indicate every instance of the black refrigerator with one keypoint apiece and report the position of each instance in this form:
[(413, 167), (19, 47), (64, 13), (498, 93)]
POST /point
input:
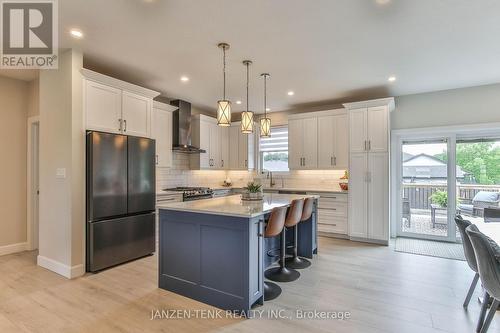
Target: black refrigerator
[(120, 199)]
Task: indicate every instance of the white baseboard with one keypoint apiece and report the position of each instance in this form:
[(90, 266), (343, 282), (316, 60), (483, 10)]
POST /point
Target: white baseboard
[(69, 272), (13, 248)]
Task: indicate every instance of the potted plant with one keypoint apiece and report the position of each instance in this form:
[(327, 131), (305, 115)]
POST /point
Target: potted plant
[(441, 198), (253, 191)]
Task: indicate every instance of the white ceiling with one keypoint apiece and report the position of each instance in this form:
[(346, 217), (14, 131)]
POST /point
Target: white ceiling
[(325, 50)]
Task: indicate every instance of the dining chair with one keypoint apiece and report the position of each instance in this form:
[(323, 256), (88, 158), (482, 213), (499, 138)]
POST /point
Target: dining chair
[(486, 252), (469, 255)]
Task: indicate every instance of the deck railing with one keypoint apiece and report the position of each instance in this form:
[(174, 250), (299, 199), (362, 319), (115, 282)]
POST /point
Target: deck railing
[(418, 194)]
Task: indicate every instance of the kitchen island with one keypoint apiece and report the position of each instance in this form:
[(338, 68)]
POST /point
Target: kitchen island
[(213, 250)]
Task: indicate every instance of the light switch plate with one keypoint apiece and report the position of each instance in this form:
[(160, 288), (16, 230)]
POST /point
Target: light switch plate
[(61, 173)]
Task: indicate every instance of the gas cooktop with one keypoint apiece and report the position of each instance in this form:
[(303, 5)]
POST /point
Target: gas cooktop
[(193, 193)]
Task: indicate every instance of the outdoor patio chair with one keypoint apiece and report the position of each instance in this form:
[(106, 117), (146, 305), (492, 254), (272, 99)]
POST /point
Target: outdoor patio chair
[(483, 199), (492, 215)]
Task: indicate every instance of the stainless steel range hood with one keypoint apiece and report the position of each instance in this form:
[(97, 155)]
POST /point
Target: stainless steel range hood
[(181, 140)]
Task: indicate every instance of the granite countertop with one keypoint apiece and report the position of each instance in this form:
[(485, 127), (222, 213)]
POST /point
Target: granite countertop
[(233, 205)]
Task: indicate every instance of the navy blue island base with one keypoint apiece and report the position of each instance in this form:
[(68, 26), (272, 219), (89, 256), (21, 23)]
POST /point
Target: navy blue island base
[(219, 259)]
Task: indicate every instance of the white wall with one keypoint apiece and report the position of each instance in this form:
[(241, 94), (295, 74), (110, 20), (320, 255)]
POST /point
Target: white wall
[(449, 107), (62, 146), (14, 99)]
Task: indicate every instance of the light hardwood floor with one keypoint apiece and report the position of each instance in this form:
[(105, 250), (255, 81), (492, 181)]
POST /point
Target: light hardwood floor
[(384, 291)]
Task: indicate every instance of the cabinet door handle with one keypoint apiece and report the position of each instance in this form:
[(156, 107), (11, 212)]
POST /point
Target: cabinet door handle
[(334, 160), (125, 125), (304, 161), (222, 163), (246, 163), (365, 146), (156, 159), (120, 122), (331, 160), (369, 144)]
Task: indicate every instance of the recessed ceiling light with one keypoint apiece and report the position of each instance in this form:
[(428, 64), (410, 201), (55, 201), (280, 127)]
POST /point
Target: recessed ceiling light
[(184, 79), (238, 102), (391, 79), (290, 93), (76, 33), (383, 2), (268, 109)]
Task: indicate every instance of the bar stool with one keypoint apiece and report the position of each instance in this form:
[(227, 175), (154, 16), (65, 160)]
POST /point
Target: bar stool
[(274, 227), (282, 273), (295, 261)]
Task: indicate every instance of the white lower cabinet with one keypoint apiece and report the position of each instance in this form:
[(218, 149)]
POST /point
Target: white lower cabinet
[(332, 213), (369, 196)]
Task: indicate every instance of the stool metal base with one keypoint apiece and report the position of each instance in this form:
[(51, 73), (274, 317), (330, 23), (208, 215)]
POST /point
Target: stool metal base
[(297, 263), (271, 291), (282, 274)]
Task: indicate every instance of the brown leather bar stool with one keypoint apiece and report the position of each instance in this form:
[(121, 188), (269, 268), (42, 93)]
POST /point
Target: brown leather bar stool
[(282, 273), (274, 227), (296, 262)]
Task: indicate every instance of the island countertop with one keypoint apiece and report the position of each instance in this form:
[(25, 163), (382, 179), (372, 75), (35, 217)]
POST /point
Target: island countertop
[(234, 206)]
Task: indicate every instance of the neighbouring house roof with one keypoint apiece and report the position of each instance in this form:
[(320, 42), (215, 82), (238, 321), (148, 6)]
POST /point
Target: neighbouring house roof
[(427, 166)]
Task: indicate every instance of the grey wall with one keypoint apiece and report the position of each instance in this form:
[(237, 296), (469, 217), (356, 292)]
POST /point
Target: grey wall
[(449, 107)]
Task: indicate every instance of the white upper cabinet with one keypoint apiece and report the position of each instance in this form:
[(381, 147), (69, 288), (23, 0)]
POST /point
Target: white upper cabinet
[(303, 143), (242, 149), (318, 140), (136, 113), (295, 144), (234, 134), (341, 160), (358, 130), (333, 142), (161, 131), (378, 131), (369, 129), (310, 143), (103, 106), (116, 106), (225, 147)]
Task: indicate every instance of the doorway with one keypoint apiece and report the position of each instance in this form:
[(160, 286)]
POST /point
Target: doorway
[(33, 182), (426, 188)]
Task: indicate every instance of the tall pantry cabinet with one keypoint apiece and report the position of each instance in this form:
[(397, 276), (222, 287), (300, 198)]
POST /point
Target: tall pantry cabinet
[(369, 139)]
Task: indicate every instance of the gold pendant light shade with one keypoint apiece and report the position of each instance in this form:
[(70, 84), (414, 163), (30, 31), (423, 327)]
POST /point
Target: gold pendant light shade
[(265, 128), (224, 113), (265, 123), (247, 122), (224, 105)]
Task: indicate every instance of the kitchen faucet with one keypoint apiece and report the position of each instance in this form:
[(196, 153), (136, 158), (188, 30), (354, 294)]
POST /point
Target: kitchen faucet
[(270, 177)]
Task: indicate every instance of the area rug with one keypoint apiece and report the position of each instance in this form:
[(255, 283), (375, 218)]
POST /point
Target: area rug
[(430, 248)]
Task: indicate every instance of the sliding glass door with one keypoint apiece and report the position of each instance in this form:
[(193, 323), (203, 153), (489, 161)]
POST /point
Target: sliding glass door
[(425, 189)]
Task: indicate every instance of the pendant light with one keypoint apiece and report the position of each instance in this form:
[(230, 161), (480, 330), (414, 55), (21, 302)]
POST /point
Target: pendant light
[(265, 123), (247, 116), (224, 105)]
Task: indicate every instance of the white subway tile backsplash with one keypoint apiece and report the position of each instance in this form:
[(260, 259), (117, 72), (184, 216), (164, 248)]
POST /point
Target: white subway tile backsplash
[(181, 175)]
